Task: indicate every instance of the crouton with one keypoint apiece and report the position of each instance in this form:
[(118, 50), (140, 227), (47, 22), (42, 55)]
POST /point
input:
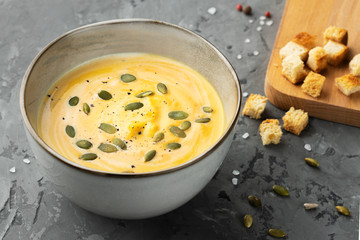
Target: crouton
[(313, 84), (295, 120), (293, 69), (317, 60), (254, 106), (336, 34), (292, 48), (354, 65), (335, 51), (348, 84), (305, 39), (270, 131)]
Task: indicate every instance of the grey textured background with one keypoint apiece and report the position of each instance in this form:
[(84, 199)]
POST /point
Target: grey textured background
[(31, 209)]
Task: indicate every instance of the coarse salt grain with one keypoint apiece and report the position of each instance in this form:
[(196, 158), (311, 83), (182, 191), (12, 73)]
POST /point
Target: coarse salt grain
[(262, 22), (251, 20), (234, 181), (256, 53), (212, 10), (307, 147), (239, 56), (236, 172), (258, 29), (25, 160), (245, 94), (247, 40), (12, 170), (245, 135), (262, 17), (270, 22)]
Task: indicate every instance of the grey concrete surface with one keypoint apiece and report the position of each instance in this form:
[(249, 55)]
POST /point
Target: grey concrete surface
[(30, 208)]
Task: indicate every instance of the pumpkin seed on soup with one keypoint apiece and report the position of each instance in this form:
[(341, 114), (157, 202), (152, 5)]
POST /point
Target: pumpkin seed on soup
[(178, 115), (85, 144), (202, 120), (120, 143), (127, 78), (88, 156), (343, 210), (248, 220), (278, 233), (207, 109), (144, 94), (177, 132), (173, 146), (159, 136), (108, 128), (280, 190), (185, 125), (254, 201), (133, 106), (73, 101), (108, 148), (312, 162), (86, 108), (149, 155), (105, 95), (70, 131), (162, 88)]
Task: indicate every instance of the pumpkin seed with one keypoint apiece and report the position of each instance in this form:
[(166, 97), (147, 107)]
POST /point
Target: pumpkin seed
[(108, 128), (149, 155), (312, 162), (185, 125), (70, 131), (108, 148), (207, 109), (173, 146), (177, 132), (144, 94), (120, 143), (248, 220), (105, 95), (86, 108), (343, 210), (309, 206), (162, 88), (88, 156), (134, 106), (278, 233), (159, 136), (73, 101), (126, 78), (85, 144), (202, 120), (178, 115), (280, 190), (254, 201)]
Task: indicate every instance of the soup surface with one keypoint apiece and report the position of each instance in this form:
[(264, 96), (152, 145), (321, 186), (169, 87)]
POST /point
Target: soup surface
[(131, 113)]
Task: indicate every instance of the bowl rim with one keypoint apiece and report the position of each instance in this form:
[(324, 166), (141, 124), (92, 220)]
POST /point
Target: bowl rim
[(70, 163)]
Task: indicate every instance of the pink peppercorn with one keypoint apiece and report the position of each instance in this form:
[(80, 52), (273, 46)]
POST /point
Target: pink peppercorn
[(267, 14), (239, 7)]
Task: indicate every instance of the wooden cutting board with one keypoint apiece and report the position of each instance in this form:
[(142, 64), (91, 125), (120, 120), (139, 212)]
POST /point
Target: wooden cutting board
[(314, 17)]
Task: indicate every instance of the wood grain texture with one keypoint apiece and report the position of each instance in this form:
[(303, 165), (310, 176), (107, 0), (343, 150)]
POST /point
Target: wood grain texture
[(314, 17)]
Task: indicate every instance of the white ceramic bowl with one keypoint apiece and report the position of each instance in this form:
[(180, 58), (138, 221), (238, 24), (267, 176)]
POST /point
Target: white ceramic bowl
[(128, 195)]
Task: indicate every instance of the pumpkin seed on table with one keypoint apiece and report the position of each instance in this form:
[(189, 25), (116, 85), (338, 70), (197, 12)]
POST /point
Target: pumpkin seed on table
[(120, 143), (185, 125), (248, 220), (133, 106), (159, 136), (149, 155), (254, 201), (144, 94), (86, 108), (280, 190), (108, 128), (202, 120), (105, 95), (70, 131), (312, 162), (162, 88), (88, 156), (343, 210), (207, 109), (127, 78), (85, 144), (173, 146), (108, 148), (178, 115), (177, 132), (278, 233), (73, 101)]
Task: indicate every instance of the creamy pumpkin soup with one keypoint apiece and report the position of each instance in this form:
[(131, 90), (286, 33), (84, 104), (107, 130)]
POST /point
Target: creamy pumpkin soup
[(131, 113)]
